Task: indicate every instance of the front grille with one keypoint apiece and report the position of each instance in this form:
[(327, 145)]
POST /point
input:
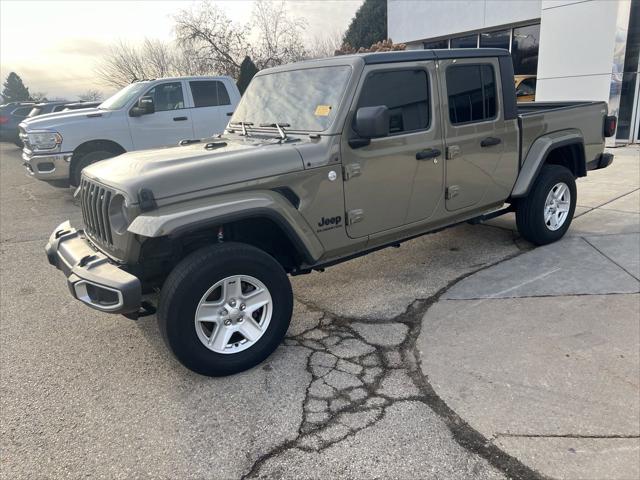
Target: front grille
[(95, 201)]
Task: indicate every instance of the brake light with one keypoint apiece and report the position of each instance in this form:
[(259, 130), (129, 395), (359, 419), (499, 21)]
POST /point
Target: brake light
[(3, 119), (610, 124)]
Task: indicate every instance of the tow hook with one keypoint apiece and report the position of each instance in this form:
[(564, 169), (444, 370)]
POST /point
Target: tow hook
[(146, 309)]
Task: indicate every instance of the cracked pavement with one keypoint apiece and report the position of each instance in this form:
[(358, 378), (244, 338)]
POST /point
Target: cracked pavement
[(345, 396)]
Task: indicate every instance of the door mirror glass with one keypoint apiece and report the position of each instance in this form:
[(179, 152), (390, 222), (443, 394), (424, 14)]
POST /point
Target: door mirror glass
[(372, 122), (145, 106)]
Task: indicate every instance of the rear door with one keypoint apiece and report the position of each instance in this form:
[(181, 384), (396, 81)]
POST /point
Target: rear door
[(171, 121), (475, 130), (399, 178), (212, 107)]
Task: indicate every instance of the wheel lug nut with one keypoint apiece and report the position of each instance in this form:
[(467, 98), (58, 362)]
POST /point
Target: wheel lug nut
[(232, 302), (240, 320), (227, 322), (242, 306)]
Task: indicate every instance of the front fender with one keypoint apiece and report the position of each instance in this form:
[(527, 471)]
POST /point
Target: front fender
[(537, 155), (179, 218)]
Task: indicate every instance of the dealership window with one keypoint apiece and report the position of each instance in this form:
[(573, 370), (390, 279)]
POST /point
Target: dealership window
[(471, 91), (406, 95), (497, 39), (470, 41), (524, 49), (438, 44)]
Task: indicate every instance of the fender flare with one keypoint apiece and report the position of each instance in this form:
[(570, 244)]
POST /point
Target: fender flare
[(177, 219), (537, 156)]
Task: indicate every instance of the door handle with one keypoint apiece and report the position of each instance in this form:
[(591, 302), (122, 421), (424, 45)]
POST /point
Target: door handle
[(490, 141), (428, 153), (180, 119)]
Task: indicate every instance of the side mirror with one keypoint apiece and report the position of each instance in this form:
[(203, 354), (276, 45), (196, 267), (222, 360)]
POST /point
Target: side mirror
[(145, 106), (372, 122)]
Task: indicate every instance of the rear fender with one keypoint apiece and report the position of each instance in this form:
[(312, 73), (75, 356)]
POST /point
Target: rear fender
[(537, 156)]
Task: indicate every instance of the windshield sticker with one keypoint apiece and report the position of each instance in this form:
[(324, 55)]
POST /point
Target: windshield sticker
[(323, 110)]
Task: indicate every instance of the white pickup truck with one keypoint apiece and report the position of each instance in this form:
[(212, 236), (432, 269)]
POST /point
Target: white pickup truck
[(145, 114)]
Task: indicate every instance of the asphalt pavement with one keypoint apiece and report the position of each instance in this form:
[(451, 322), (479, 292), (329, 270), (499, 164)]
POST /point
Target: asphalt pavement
[(350, 393)]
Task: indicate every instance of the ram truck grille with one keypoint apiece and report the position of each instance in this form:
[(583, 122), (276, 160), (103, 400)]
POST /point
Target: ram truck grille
[(95, 201)]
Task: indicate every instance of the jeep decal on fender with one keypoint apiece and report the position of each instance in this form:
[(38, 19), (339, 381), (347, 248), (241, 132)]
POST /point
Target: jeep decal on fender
[(329, 223)]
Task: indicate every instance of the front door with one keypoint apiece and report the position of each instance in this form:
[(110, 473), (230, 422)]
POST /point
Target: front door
[(475, 130), (396, 179), (170, 123)]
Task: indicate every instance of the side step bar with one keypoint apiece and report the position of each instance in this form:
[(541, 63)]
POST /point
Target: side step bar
[(489, 216)]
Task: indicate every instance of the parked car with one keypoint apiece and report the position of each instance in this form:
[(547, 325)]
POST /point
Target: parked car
[(11, 114), (43, 108), (323, 161), (80, 105), (525, 88), (143, 115)]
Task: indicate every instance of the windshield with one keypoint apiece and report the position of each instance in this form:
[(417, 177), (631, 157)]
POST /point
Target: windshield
[(120, 99), (305, 99)]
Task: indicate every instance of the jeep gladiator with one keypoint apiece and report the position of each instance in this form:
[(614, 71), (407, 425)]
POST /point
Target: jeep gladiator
[(321, 162)]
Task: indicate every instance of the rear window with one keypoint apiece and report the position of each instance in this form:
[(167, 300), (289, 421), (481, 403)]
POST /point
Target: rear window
[(209, 93), (471, 91)]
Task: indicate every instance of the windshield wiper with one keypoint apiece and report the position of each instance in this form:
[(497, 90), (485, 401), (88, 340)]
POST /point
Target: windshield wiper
[(244, 126), (279, 126)]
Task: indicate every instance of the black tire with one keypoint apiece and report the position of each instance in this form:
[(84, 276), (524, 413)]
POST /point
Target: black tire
[(530, 210), (85, 160), (190, 280)]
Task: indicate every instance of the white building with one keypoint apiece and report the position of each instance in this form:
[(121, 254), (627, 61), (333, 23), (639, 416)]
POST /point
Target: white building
[(577, 49)]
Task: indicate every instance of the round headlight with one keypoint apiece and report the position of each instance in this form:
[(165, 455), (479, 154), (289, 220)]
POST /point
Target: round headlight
[(118, 214)]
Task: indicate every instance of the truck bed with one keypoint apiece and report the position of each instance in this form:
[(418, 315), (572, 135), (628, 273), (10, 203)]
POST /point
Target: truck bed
[(538, 118)]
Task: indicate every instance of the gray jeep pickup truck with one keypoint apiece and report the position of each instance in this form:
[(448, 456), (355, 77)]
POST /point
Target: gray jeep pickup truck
[(321, 161)]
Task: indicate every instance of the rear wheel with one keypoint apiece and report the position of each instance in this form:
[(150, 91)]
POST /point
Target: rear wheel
[(545, 215), (225, 308), (87, 159)]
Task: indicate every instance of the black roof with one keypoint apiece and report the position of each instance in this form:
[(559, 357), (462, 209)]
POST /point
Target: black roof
[(418, 55)]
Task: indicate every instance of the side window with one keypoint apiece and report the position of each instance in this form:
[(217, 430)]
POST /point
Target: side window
[(22, 112), (406, 95), (167, 96), (209, 93), (223, 95), (471, 92)]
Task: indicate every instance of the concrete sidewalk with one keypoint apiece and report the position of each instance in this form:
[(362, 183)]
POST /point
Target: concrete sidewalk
[(540, 353)]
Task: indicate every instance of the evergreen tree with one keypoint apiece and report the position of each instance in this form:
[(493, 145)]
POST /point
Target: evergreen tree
[(14, 90), (368, 26), (247, 70)]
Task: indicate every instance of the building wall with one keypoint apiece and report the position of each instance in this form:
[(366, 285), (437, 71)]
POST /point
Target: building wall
[(577, 42), (417, 20)]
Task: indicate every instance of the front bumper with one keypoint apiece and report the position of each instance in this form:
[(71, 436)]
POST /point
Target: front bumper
[(47, 166), (91, 276)]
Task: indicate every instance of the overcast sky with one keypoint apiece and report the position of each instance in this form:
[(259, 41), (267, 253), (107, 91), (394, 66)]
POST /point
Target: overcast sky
[(55, 45)]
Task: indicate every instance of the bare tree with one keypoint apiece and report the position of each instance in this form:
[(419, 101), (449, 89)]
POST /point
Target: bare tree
[(212, 39), (125, 63), (325, 46), (90, 95), (279, 34), (39, 96)]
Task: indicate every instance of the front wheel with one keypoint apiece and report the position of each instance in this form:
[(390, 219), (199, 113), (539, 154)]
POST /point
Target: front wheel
[(225, 308), (545, 214), (87, 159)]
